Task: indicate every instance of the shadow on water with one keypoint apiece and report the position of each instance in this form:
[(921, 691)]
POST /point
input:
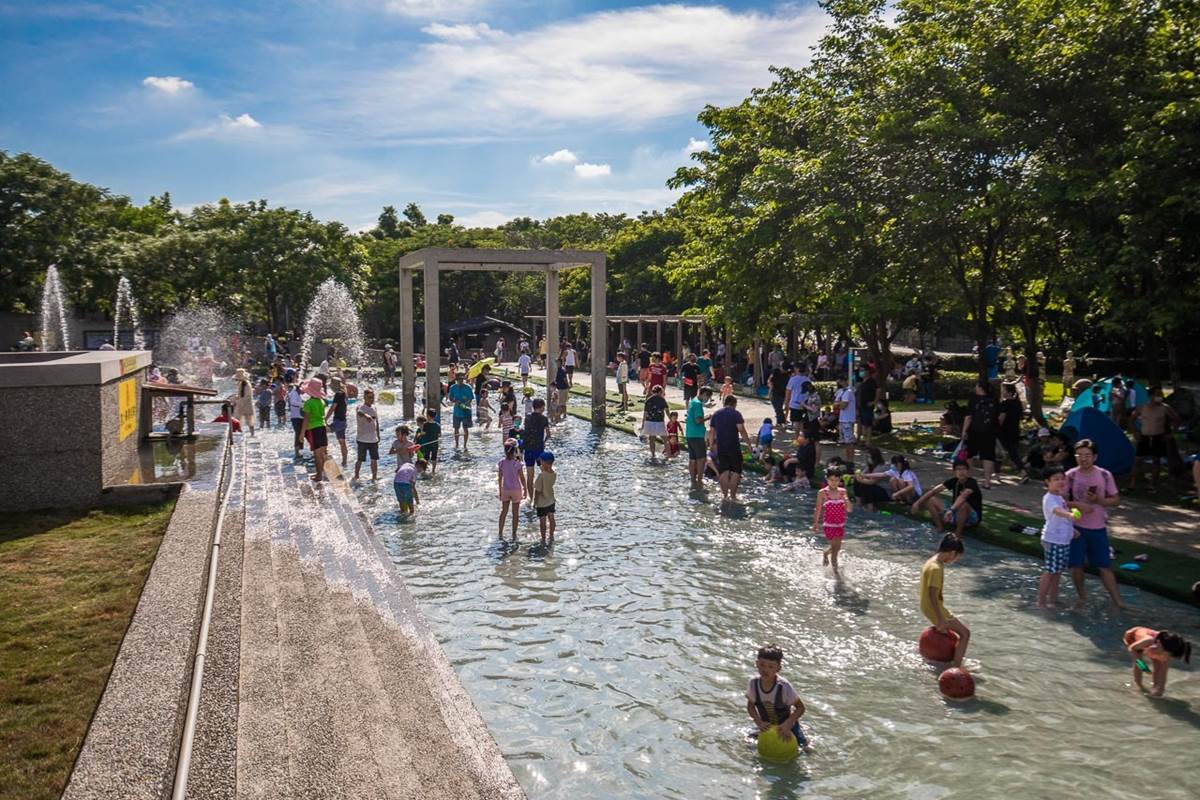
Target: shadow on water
[(847, 597), (1176, 709)]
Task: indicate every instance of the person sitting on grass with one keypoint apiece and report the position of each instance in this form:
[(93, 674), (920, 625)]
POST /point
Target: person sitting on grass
[(966, 501), (904, 483), (771, 700), (798, 471), (870, 485)]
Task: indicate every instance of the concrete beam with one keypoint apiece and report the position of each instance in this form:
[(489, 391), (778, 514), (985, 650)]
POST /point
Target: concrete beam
[(552, 330), (433, 339), (408, 368), (599, 339)]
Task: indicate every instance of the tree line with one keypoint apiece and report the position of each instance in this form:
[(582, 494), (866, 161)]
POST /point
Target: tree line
[(1021, 167)]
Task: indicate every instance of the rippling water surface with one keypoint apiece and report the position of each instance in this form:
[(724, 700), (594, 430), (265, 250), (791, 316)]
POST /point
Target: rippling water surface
[(615, 666)]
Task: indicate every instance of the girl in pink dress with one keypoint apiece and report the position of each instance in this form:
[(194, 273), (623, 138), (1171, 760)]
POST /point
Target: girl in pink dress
[(830, 514)]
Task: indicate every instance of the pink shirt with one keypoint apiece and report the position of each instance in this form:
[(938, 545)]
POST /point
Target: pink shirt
[(1078, 483), (510, 473)]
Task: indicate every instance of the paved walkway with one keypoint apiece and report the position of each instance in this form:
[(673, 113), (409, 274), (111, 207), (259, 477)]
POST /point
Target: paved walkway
[(1167, 527)]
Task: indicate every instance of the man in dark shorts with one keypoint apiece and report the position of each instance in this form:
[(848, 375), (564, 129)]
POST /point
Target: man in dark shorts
[(643, 357), (979, 429), (729, 431), (777, 383), (868, 395), (534, 433), (694, 433)]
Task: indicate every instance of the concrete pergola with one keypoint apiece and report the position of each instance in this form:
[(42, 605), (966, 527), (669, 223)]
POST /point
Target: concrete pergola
[(433, 260)]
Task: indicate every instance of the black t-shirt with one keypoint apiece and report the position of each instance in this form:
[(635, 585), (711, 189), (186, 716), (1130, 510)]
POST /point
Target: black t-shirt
[(339, 406), (690, 373), (866, 393), (534, 432), (779, 382), (806, 459), (655, 409), (1012, 411), (643, 357), (975, 500), (982, 411)]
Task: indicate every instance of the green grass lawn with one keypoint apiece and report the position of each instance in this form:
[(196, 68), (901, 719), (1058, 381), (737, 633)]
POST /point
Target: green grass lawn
[(68, 585)]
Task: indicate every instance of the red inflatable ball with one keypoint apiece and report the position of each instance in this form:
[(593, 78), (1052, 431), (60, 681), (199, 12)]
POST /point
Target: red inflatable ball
[(935, 646), (956, 684)]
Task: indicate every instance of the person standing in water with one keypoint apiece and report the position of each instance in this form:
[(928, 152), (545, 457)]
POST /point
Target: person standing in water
[(933, 579), (313, 427), (829, 516), (511, 485), (366, 434), (335, 416), (543, 496)]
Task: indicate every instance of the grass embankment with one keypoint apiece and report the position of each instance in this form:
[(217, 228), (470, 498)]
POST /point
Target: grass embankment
[(1165, 572), (68, 585)]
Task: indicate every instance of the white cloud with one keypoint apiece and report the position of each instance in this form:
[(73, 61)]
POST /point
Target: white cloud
[(226, 127), (563, 156), (626, 68), (431, 9), (593, 170), (240, 121), (461, 33), (168, 84), (695, 146), (483, 219)]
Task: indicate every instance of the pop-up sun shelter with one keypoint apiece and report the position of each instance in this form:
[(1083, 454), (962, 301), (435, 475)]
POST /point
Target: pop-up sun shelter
[(1136, 395), (1115, 450)]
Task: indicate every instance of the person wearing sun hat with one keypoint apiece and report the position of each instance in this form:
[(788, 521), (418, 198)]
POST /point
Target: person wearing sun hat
[(314, 424)]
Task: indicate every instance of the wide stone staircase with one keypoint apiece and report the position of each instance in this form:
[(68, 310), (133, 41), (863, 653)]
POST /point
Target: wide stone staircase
[(323, 678)]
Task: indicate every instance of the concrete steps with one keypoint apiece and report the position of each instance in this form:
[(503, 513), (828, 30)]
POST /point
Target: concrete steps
[(342, 690)]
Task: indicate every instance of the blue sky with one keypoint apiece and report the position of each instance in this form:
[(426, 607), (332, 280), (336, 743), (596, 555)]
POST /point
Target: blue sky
[(485, 110)]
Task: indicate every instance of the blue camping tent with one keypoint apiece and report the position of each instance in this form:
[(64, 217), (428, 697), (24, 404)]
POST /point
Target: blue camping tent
[(1115, 450), (1137, 395)]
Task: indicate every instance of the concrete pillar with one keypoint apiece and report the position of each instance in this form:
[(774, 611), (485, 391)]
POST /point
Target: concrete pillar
[(678, 338), (793, 345), (599, 336), (408, 368), (433, 340), (637, 344), (658, 335), (621, 334), (728, 348), (552, 327), (702, 344)]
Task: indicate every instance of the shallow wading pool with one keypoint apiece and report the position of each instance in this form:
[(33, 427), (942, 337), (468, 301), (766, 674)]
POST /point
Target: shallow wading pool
[(616, 665)]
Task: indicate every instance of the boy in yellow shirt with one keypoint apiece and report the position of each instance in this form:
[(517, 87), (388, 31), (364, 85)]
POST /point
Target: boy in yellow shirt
[(933, 578)]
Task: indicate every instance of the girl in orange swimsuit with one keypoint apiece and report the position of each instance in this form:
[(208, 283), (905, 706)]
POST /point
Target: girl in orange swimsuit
[(1154, 649), (830, 515)]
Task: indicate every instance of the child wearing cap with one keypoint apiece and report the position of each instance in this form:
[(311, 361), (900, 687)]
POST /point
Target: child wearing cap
[(543, 494)]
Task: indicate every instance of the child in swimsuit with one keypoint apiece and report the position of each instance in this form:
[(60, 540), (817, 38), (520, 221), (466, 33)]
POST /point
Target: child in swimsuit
[(830, 515), (1155, 649), (673, 434)]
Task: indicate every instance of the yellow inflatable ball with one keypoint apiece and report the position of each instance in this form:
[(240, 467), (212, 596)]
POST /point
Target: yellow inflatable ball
[(773, 748), (387, 398)]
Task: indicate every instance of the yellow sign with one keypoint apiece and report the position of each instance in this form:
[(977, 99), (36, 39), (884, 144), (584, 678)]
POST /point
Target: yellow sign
[(128, 364), (127, 392)]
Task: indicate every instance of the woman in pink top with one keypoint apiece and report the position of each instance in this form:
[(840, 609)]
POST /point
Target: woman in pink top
[(511, 485)]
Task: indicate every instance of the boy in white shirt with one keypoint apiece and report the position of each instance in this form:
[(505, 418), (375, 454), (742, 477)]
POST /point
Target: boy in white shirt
[(523, 365), (1057, 534), (366, 434), (623, 380), (771, 700)]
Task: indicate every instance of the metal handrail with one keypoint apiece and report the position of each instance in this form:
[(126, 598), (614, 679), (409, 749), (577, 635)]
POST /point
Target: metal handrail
[(184, 762)]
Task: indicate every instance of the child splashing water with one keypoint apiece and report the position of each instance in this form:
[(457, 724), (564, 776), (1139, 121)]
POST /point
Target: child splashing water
[(1156, 647), (829, 518)]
